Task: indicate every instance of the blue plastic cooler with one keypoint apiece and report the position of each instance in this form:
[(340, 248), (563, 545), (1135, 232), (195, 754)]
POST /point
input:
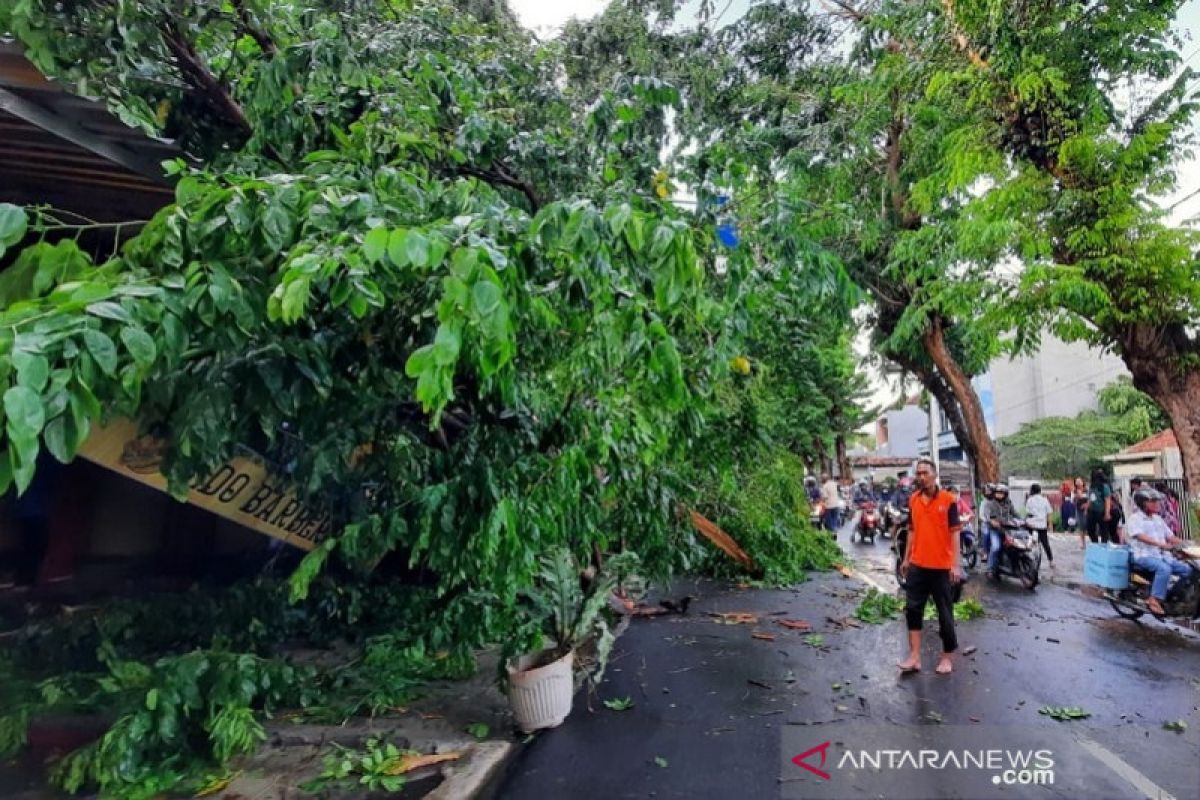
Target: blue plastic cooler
[(1107, 565)]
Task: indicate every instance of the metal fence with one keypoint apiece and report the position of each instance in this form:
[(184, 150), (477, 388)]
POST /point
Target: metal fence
[(1019, 493), (1176, 485)]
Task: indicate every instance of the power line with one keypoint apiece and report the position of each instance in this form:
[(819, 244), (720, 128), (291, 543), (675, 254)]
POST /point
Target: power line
[(1053, 391)]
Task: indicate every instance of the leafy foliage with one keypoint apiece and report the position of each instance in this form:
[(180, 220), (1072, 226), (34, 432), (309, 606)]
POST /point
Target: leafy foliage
[(374, 769), (877, 607), (566, 616), (187, 677)]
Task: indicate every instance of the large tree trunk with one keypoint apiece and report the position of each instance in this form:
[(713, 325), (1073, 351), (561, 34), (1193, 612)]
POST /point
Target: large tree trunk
[(939, 388), (1149, 355), (985, 456), (843, 462)]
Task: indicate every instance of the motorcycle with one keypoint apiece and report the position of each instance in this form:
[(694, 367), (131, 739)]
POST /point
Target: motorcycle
[(968, 543), (1183, 596), (891, 519), (1020, 557), (868, 522)]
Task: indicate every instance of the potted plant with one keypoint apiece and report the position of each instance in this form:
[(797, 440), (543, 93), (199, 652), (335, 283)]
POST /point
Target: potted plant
[(566, 610)]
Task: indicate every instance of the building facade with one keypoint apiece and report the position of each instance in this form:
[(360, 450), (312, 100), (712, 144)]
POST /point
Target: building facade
[(898, 431), (1060, 380)]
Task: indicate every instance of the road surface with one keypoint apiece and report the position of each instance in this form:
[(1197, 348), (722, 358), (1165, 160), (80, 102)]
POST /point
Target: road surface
[(720, 713)]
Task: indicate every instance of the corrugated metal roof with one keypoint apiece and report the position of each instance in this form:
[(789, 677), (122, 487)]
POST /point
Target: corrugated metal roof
[(68, 151)]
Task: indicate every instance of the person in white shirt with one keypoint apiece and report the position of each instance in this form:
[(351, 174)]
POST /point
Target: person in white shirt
[(1040, 516), (1152, 542), (831, 497)]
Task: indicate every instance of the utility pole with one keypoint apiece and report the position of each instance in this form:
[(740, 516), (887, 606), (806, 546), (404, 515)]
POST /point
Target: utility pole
[(933, 433)]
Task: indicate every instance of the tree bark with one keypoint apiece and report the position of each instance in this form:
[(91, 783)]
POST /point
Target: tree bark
[(1149, 356), (843, 461), (986, 458)]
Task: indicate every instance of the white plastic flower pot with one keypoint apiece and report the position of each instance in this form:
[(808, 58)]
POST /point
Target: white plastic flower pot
[(541, 696)]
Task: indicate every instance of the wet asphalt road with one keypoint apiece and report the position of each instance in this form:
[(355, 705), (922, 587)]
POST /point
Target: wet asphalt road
[(719, 713)]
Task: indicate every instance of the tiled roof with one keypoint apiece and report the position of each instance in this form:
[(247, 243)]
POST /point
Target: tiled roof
[(1163, 440), (880, 461)]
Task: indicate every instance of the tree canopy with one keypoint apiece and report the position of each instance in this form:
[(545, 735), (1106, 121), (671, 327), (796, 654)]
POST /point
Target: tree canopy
[(423, 260)]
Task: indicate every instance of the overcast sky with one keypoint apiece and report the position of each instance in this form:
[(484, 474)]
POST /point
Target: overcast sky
[(546, 16)]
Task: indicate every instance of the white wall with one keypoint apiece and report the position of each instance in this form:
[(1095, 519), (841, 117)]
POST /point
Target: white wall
[(1060, 380), (904, 428)]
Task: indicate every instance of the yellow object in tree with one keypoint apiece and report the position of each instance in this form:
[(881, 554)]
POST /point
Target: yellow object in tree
[(741, 365), (661, 191)]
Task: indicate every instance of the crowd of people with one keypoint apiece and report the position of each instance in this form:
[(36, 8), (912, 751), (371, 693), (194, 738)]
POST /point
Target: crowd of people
[(1094, 509)]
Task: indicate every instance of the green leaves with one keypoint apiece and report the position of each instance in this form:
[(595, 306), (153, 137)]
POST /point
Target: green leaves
[(13, 224), (1064, 713), (140, 345), (102, 350), (397, 247), (24, 413), (375, 244)]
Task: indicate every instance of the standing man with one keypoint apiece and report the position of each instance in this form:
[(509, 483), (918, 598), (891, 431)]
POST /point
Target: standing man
[(1100, 522), (1040, 516), (832, 500), (931, 566)]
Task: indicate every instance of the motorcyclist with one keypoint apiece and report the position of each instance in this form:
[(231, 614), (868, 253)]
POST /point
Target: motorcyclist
[(863, 494), (1152, 543), (900, 498), (812, 490), (999, 511)]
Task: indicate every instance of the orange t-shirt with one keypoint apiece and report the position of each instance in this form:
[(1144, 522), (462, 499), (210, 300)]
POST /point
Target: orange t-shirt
[(934, 520)]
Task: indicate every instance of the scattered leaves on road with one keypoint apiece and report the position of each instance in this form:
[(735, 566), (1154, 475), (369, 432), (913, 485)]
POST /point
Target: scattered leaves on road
[(410, 761), (619, 704), (734, 618), (660, 761), (878, 607), (795, 624), (814, 640), (1179, 726), (1064, 713), (766, 637), (217, 783), (964, 611), (479, 730)]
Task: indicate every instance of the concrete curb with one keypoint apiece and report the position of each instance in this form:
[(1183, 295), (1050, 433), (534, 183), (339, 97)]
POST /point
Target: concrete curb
[(476, 777)]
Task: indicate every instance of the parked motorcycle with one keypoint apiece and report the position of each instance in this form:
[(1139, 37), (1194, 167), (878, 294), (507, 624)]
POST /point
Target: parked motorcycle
[(868, 522), (1183, 596), (1020, 557)]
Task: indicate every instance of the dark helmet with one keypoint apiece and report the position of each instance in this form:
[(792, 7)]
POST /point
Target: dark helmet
[(1145, 495)]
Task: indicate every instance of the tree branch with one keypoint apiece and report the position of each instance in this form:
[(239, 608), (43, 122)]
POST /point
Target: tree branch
[(248, 26), (208, 87), (499, 175)]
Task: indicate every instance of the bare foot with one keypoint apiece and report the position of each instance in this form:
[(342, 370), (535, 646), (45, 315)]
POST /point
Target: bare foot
[(944, 666), (912, 664), (1155, 607)]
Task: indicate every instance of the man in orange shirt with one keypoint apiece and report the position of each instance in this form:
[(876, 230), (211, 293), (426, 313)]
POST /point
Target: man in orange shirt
[(931, 565)]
